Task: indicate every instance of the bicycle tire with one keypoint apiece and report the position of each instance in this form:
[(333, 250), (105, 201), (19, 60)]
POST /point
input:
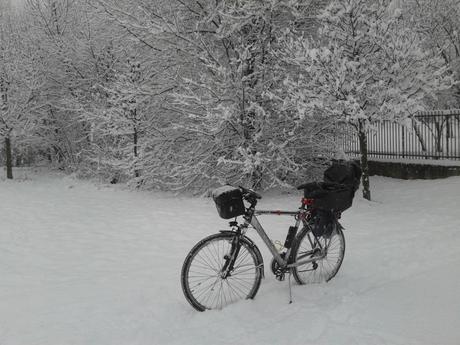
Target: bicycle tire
[(203, 265), (325, 269)]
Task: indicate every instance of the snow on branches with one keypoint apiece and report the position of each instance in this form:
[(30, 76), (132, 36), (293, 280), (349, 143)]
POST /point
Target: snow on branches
[(229, 126), (366, 66), (178, 94)]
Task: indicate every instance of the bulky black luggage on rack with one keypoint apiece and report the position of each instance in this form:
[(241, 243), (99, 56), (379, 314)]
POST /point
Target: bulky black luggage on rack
[(336, 192), (332, 196), (346, 173), (229, 202)]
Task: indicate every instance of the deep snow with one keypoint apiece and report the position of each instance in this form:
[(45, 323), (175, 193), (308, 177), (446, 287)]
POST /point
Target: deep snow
[(88, 264)]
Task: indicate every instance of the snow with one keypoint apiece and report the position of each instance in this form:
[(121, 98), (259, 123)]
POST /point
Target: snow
[(89, 264), (421, 161)]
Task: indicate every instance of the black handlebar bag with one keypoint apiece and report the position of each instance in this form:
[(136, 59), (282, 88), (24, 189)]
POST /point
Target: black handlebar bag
[(229, 202)]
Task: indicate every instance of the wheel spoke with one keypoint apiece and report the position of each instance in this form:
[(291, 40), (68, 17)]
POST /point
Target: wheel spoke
[(243, 286), (241, 257), (208, 288), (251, 267)]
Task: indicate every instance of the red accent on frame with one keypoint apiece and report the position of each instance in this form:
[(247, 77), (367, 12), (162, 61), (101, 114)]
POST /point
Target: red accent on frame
[(307, 202)]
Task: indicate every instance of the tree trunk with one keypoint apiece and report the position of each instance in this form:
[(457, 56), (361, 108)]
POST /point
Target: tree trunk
[(364, 162), (9, 158), (256, 178), (136, 154), (439, 126), (419, 135)]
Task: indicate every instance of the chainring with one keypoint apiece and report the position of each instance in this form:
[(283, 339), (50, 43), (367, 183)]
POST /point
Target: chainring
[(277, 270)]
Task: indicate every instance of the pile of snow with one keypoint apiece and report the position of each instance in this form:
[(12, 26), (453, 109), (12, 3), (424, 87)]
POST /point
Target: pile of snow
[(86, 264)]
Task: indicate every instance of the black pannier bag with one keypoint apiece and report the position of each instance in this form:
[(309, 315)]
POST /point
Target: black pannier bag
[(323, 223), (229, 202)]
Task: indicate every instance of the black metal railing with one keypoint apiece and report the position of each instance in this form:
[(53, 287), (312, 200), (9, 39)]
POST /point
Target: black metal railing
[(427, 135)]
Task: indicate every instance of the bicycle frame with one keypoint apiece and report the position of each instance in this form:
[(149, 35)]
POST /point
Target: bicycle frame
[(283, 262)]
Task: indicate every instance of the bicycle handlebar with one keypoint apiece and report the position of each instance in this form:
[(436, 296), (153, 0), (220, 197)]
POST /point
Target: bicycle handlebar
[(250, 193)]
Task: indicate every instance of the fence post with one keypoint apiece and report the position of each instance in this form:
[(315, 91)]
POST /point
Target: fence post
[(447, 153), (403, 139)]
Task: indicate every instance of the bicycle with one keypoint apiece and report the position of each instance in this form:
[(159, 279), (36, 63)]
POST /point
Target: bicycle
[(226, 267)]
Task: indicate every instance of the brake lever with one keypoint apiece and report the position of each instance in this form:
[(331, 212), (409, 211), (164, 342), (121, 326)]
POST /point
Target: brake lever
[(256, 195)]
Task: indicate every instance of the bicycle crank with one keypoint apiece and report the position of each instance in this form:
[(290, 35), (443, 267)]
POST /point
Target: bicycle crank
[(277, 270)]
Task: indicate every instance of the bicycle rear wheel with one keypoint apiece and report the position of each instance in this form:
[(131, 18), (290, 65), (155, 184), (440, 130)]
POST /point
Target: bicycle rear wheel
[(201, 278), (309, 246)]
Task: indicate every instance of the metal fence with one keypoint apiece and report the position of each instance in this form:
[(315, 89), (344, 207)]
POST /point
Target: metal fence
[(427, 135)]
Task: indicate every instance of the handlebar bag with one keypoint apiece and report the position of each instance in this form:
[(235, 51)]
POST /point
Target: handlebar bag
[(229, 202)]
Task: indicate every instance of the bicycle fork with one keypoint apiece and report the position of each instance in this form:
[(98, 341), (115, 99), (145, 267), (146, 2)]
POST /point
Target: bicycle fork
[(230, 258)]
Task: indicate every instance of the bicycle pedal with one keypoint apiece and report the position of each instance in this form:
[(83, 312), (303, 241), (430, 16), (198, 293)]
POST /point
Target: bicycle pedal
[(280, 277)]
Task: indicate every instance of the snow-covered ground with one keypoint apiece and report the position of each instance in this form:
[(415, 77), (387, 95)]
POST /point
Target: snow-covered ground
[(87, 264)]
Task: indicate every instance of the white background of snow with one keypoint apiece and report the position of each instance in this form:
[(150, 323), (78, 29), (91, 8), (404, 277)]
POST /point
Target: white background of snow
[(82, 264)]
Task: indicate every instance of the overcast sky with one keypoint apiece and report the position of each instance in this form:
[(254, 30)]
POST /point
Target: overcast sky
[(13, 2), (16, 2)]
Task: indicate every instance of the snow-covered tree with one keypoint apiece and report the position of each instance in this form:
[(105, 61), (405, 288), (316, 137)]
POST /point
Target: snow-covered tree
[(229, 127), (21, 81), (367, 66), (436, 21), (76, 47), (126, 108), (59, 35)]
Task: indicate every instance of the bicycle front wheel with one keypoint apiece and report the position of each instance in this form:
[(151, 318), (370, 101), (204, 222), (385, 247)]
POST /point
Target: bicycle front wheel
[(202, 281), (309, 246)]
